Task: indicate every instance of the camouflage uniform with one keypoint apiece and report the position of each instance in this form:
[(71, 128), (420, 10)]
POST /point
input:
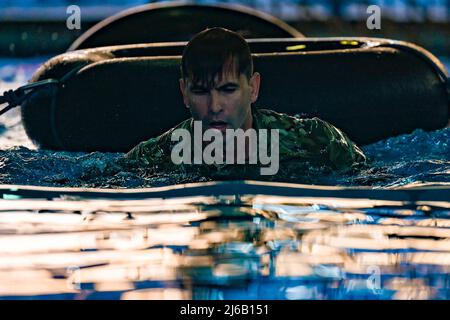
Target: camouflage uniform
[(304, 144)]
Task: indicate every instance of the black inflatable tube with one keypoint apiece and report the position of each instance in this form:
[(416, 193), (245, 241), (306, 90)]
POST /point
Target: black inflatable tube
[(267, 45), (115, 97), (179, 22)]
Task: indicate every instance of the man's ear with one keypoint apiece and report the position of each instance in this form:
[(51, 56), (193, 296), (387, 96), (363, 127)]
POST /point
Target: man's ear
[(255, 81), (183, 90)]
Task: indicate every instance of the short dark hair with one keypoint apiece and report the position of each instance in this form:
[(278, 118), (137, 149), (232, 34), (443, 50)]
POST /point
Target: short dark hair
[(210, 51)]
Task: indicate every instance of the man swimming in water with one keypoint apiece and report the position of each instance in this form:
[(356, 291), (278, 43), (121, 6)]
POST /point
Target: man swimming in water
[(219, 86)]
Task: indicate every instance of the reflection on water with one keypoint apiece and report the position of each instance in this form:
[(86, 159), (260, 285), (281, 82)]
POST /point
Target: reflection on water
[(218, 248)]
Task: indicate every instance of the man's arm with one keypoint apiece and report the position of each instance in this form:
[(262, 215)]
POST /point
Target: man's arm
[(156, 151), (148, 153), (339, 151)]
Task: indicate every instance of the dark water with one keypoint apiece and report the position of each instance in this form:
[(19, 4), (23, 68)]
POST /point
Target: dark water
[(418, 158)]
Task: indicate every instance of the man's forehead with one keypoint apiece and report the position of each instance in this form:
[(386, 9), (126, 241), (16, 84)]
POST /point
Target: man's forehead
[(219, 80)]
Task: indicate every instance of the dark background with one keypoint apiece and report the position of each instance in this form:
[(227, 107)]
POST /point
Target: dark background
[(38, 27)]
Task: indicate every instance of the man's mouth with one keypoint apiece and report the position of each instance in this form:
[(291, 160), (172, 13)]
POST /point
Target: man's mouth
[(219, 125)]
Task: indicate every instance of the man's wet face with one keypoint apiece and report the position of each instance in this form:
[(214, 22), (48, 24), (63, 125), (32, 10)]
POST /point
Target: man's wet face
[(224, 105)]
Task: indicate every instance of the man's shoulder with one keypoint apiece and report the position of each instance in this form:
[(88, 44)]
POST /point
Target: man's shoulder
[(294, 130), (158, 147), (166, 137), (312, 138), (271, 119)]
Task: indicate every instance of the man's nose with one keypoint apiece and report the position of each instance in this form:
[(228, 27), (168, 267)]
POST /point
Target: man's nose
[(215, 105)]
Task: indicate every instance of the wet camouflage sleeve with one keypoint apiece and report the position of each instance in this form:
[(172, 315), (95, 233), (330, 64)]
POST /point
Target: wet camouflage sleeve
[(148, 152), (311, 140), (156, 151), (339, 151)]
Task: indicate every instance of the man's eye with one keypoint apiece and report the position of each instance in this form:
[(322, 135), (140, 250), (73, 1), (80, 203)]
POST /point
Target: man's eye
[(228, 90)]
